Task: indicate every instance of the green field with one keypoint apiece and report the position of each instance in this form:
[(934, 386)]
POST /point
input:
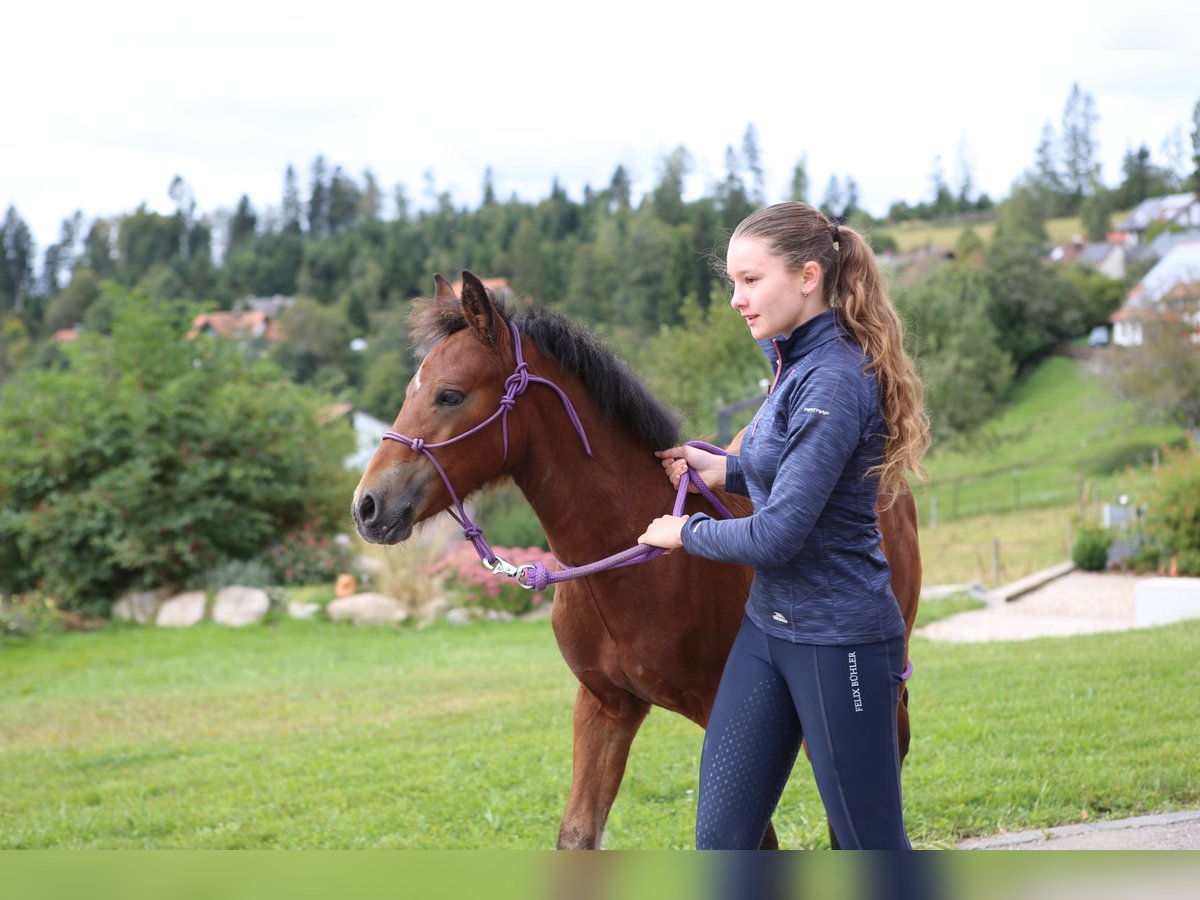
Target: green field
[(310, 735), (910, 236), (1062, 446)]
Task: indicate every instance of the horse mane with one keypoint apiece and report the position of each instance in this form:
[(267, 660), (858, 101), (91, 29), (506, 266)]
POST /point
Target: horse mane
[(617, 392)]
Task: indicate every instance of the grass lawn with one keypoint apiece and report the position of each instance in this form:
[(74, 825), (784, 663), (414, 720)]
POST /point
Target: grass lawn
[(309, 735), (912, 236), (1062, 446)]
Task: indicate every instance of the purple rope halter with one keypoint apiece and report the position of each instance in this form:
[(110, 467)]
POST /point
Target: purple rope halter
[(514, 386), (536, 576)]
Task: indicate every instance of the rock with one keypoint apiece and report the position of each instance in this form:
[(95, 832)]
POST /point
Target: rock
[(367, 609), (461, 615), (238, 606), (138, 606), (182, 610), (345, 585), (299, 610)]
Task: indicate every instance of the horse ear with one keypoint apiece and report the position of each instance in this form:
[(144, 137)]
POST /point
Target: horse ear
[(477, 307), (442, 289)]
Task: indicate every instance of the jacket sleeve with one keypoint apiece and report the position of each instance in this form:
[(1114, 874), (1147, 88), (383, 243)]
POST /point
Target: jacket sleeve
[(824, 428), (735, 481)]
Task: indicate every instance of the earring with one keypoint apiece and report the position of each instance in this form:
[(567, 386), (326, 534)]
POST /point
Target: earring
[(803, 292)]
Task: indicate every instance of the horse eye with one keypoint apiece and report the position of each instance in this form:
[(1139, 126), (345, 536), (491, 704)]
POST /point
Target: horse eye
[(448, 397)]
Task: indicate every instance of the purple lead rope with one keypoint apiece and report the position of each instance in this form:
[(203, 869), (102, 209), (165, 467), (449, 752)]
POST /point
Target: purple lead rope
[(537, 577)]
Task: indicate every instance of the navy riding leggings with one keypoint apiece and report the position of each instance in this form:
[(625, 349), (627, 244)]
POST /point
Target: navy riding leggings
[(772, 694)]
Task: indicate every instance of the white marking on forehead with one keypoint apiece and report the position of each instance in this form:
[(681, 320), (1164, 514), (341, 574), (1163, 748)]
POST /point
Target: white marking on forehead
[(416, 379)]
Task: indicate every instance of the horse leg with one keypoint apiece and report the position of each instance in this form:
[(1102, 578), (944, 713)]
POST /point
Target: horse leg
[(604, 731)]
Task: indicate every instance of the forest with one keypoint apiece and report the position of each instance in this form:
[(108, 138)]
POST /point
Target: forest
[(642, 271), (132, 454)]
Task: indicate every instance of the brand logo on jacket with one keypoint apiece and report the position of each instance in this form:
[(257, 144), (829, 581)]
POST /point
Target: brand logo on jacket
[(778, 617)]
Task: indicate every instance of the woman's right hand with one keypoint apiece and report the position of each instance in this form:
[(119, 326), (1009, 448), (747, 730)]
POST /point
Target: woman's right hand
[(709, 466)]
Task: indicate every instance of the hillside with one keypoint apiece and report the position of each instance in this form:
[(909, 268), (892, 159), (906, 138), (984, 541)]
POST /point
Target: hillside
[(1063, 445)]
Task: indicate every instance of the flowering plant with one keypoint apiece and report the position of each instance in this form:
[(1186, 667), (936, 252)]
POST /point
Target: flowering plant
[(476, 586), (306, 556)]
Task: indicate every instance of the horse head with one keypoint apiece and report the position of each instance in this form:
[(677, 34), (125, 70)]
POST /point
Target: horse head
[(458, 388)]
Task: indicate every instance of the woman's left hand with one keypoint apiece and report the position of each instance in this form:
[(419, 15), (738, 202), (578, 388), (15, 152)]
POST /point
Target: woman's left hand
[(664, 532)]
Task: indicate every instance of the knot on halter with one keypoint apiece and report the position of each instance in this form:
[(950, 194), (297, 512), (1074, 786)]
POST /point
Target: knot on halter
[(472, 531), (537, 576), (417, 445), (515, 385)]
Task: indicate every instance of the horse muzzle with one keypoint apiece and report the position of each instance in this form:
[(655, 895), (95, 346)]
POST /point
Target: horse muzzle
[(386, 518)]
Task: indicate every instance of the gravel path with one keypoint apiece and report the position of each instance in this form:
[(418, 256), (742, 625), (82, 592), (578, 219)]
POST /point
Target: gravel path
[(1076, 603)]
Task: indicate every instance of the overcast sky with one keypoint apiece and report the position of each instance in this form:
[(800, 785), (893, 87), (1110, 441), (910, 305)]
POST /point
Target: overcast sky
[(104, 103)]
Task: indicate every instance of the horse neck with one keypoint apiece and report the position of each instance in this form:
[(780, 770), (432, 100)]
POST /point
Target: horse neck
[(588, 507)]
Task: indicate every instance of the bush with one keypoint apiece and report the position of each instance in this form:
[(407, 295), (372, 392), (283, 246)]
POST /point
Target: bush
[(306, 557), (1173, 508), (476, 586), (1090, 552), (150, 457)]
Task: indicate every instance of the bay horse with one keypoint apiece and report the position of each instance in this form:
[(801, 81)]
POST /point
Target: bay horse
[(653, 634)]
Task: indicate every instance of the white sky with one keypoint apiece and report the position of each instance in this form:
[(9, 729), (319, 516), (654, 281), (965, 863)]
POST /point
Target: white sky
[(104, 102)]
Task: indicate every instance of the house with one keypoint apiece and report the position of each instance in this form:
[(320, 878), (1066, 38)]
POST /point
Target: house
[(1182, 210), (252, 324), (498, 286), (1106, 257), (1169, 292)]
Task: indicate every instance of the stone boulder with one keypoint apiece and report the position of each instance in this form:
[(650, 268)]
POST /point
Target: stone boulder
[(138, 606), (237, 606), (182, 610), (367, 609)]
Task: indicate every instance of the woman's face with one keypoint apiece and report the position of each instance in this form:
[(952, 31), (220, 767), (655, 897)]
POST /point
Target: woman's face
[(766, 293)]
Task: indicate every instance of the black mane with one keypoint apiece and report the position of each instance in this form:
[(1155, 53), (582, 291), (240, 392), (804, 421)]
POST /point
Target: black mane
[(616, 391)]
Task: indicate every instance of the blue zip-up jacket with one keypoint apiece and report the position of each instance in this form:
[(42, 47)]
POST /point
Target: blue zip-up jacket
[(820, 576)]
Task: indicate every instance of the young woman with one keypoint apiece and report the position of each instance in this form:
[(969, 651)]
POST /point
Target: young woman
[(821, 648)]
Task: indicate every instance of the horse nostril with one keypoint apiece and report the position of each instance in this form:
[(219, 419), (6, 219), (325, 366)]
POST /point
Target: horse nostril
[(367, 509)]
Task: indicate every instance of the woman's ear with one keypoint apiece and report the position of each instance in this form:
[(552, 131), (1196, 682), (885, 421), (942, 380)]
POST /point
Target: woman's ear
[(811, 277)]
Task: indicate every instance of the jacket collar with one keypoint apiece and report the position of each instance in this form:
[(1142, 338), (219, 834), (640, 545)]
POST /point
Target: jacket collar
[(820, 329)]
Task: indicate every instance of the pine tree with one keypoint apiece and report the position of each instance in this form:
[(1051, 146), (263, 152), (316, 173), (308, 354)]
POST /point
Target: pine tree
[(1079, 145)]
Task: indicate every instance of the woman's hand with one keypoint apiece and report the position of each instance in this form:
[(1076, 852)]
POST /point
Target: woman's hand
[(664, 532), (709, 466)]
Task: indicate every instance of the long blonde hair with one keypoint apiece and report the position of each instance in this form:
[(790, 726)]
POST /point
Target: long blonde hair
[(799, 233)]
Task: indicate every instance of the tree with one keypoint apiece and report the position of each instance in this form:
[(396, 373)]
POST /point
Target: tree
[(799, 184), (957, 349), (1096, 213), (943, 199), (1163, 374), (752, 159), (318, 200), (1080, 170), (16, 262), (315, 337), (242, 225), (343, 203), (1195, 179), (964, 170), (834, 200), (191, 454), (59, 260), (667, 195), (733, 365), (290, 206), (1047, 178)]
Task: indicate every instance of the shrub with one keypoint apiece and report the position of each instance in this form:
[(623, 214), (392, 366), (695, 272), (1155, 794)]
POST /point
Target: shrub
[(1173, 508), (1090, 552), (476, 586), (150, 457), (306, 556)]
